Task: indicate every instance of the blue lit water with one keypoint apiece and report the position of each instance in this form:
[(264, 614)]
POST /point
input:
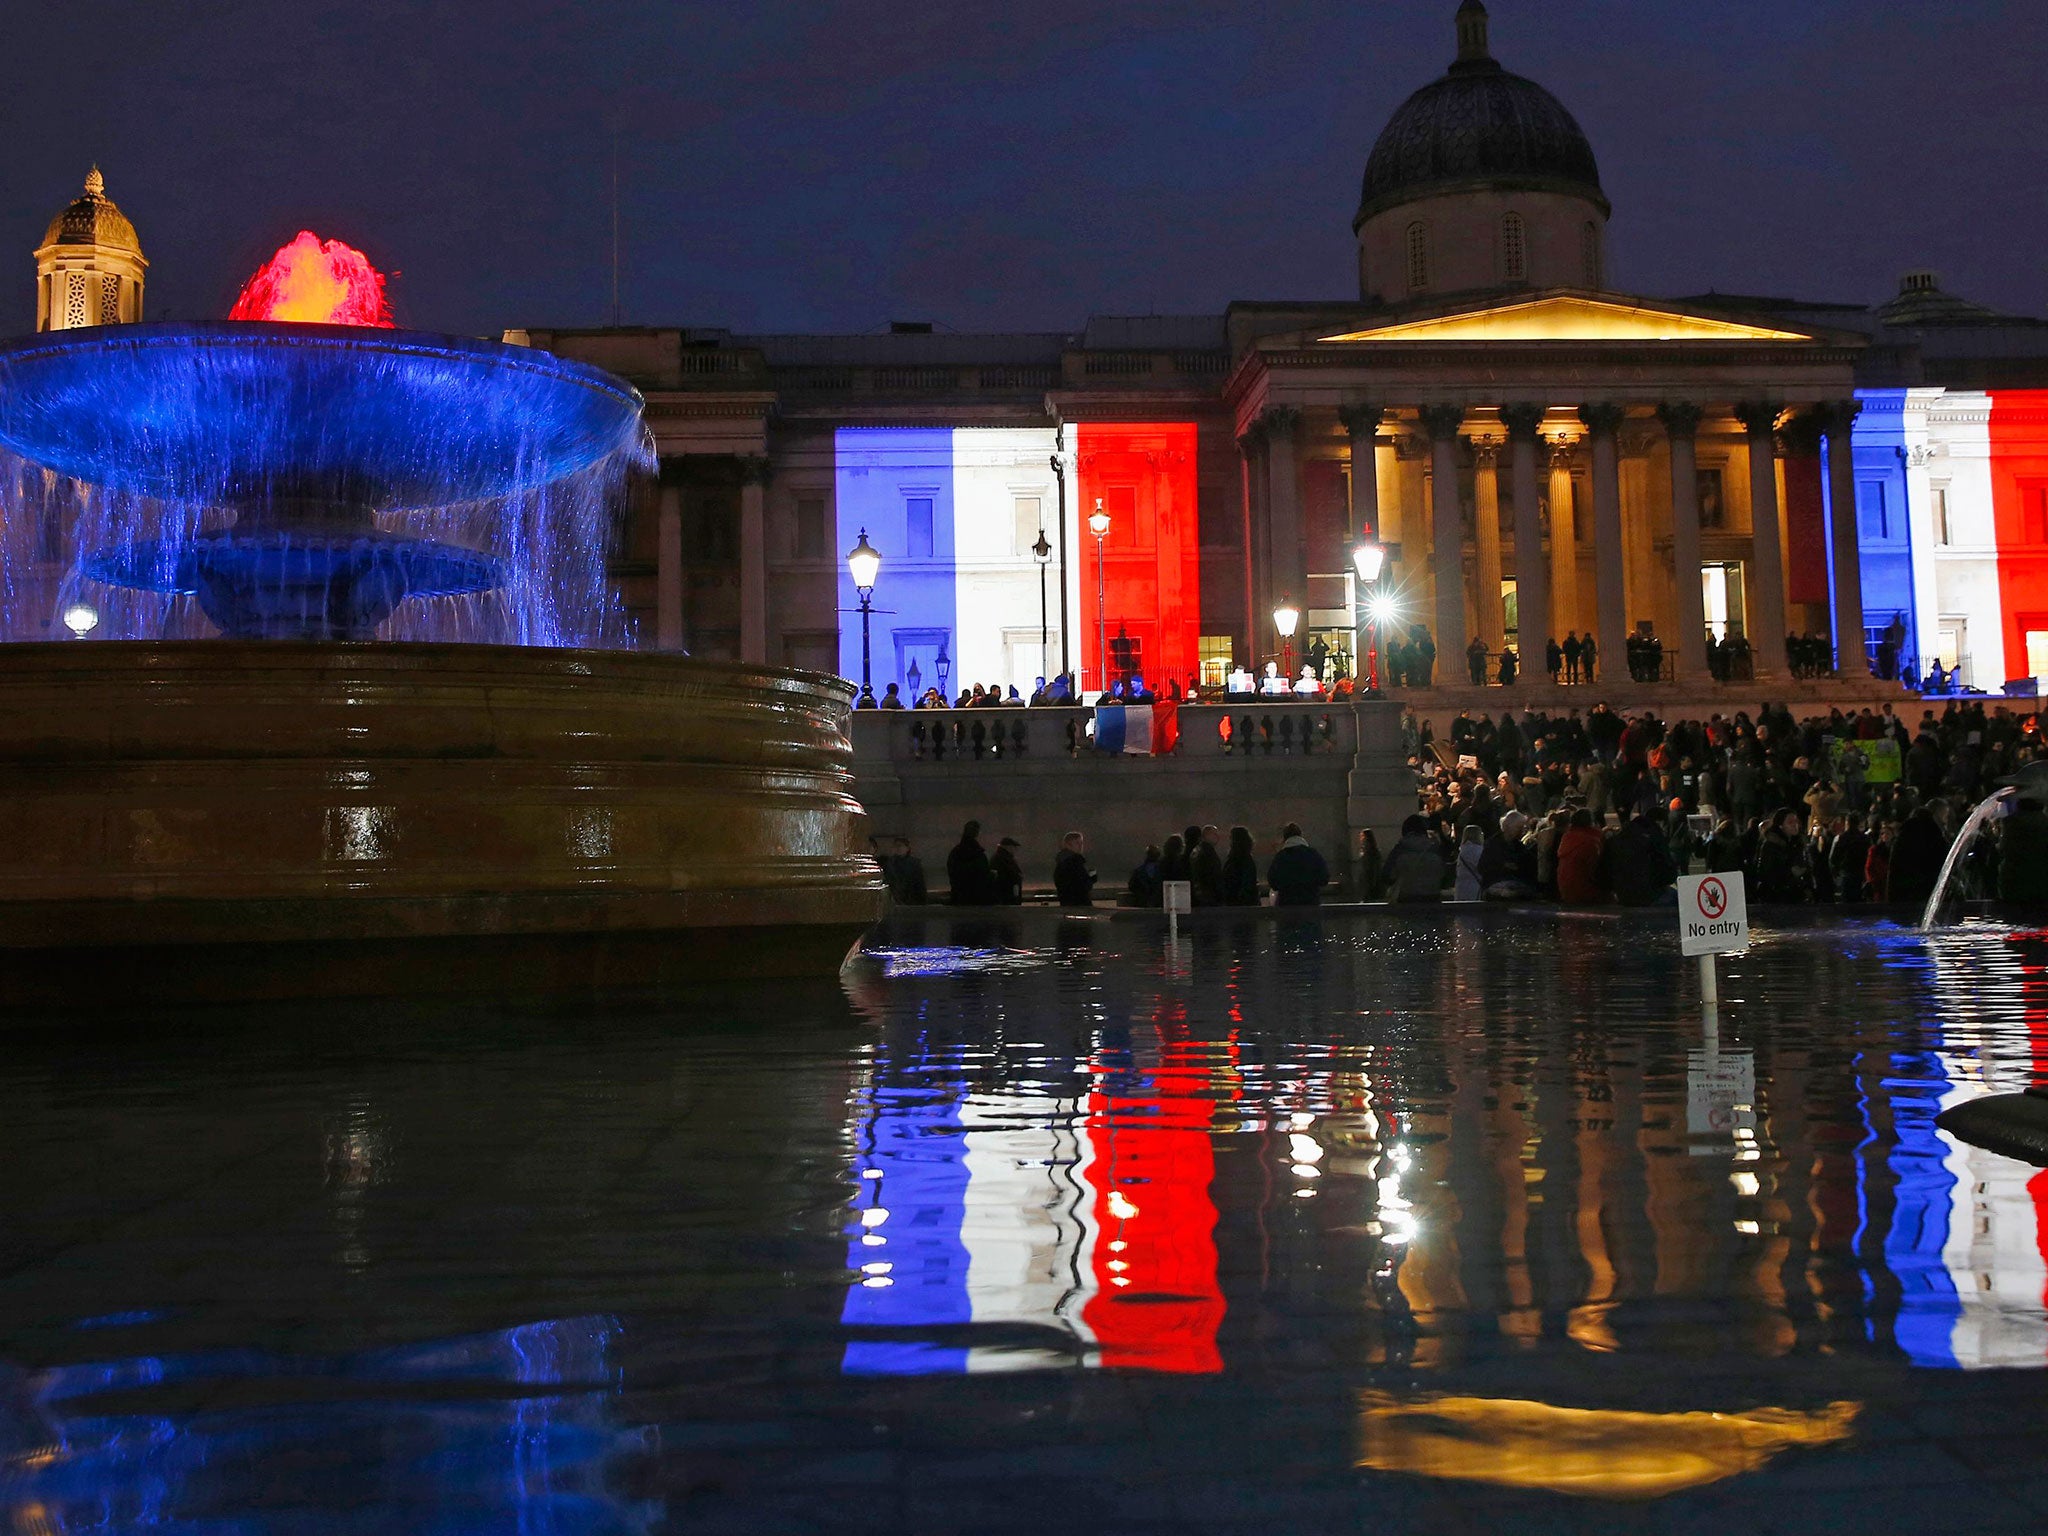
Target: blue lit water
[(138, 463), (1425, 1223)]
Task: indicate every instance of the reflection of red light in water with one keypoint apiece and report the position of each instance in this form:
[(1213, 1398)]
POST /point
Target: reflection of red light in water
[(315, 283)]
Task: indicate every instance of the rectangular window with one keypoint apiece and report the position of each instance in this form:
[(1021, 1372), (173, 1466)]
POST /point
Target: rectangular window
[(1873, 520), (1027, 525), (1944, 534), (810, 528), (1215, 653), (917, 517), (2034, 496)]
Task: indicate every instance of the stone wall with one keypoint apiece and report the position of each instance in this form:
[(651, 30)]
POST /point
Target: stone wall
[(1034, 775)]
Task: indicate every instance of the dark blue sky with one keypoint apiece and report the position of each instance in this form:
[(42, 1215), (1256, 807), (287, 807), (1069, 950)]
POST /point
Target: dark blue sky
[(831, 164)]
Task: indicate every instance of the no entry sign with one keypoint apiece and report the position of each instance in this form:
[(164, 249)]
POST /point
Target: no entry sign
[(1713, 914)]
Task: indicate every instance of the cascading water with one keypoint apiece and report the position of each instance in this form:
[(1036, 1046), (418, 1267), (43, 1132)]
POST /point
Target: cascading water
[(1938, 904), (270, 480)]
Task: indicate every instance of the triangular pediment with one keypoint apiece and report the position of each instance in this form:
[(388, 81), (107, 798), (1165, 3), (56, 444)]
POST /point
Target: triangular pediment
[(1569, 317)]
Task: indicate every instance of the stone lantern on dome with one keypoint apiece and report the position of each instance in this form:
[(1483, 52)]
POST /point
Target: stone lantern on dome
[(89, 268)]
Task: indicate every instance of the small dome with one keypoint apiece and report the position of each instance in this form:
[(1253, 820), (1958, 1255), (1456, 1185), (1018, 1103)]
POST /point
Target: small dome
[(1478, 126), (92, 219)]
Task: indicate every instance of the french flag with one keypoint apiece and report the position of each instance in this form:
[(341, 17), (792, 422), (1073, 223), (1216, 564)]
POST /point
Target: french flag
[(1124, 728)]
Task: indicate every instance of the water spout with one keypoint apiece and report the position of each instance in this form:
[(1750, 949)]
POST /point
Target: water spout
[(1960, 850)]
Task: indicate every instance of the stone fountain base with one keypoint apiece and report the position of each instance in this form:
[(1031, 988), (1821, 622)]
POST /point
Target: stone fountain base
[(220, 819)]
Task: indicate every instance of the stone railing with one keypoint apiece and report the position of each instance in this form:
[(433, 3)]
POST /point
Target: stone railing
[(1251, 730)]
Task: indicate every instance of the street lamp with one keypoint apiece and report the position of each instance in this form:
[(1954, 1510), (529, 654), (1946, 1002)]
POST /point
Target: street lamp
[(865, 563), (1285, 618), (1099, 526), (1043, 551), (944, 664), (1368, 560)]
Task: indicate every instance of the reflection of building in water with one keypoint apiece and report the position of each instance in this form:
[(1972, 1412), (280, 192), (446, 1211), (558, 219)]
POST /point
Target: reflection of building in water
[(1012, 1230)]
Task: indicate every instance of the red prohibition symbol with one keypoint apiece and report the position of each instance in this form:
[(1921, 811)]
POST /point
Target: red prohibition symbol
[(1713, 898)]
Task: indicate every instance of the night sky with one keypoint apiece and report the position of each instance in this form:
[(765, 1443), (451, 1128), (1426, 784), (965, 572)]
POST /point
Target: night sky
[(814, 165)]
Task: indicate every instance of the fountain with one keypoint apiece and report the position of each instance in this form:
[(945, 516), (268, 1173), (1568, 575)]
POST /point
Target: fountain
[(1991, 806), (356, 680)]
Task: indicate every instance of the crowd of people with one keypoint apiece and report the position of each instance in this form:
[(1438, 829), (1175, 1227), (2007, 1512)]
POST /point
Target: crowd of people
[(1217, 875), (1846, 807)]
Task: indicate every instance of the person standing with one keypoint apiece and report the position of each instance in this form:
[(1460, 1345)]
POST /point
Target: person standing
[(905, 874), (1475, 661), (1414, 869), (1470, 851), (1589, 657), (1297, 873), (967, 870), (1072, 880), (1240, 871), (1423, 673), (1553, 659), (1572, 650), (1006, 875)]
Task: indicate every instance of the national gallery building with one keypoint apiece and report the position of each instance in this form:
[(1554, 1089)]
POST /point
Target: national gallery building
[(1538, 453)]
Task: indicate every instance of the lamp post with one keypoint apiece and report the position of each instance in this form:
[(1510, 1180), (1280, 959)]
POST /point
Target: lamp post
[(1043, 551), (944, 664), (865, 564), (1368, 560), (1059, 473), (1285, 618), (1099, 526)]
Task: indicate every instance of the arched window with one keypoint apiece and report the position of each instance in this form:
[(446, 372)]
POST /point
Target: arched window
[(1418, 256), (1589, 245), (1514, 259)]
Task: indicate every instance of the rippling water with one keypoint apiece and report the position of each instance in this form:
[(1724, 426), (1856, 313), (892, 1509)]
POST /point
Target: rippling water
[(1411, 1223)]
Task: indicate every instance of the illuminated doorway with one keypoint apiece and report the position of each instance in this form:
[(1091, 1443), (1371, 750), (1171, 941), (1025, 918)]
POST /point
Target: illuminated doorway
[(1721, 587)]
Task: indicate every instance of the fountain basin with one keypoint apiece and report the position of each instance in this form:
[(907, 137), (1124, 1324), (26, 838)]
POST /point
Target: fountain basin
[(298, 818)]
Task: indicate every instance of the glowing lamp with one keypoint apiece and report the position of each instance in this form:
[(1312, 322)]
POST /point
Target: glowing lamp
[(865, 562), (81, 619), (1369, 558), (1099, 523), (1384, 609), (1286, 617)]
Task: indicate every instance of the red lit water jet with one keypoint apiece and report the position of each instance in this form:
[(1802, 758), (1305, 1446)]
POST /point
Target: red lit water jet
[(315, 282)]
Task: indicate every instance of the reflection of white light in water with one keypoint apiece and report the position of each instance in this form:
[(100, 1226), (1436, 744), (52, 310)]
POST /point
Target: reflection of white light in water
[(1307, 1171), (1305, 1149), (873, 1240), (1118, 1246), (81, 619), (871, 1173), (874, 1216), (1745, 1183), (878, 1268), (1302, 1122), (1398, 1223), (1120, 1207), (1304, 1194), (876, 1282), (1748, 1227), (1118, 1280), (1401, 1157), (1116, 1266)]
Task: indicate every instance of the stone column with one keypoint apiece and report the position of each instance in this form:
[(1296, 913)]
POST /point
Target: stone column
[(754, 472), (1564, 541), (1250, 449), (1610, 570), (1288, 577), (1766, 627), (1362, 422), (1681, 420), (668, 568), (1532, 576), (1852, 656), (1486, 528), (1447, 537)]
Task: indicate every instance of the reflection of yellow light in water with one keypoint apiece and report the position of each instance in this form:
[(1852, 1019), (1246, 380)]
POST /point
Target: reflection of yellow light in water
[(1119, 1207), (1596, 1453)]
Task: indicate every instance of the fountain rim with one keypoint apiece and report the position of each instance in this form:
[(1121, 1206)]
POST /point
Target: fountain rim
[(356, 339)]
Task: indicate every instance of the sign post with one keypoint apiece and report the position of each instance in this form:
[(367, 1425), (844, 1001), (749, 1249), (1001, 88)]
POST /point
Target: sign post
[(1713, 919), (1179, 897)]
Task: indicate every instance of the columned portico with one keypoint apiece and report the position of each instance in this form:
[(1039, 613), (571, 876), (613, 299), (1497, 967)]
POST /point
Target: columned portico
[(1564, 544), (1361, 424), (1447, 530), (1610, 573), (1767, 561), (1682, 426), (1288, 576)]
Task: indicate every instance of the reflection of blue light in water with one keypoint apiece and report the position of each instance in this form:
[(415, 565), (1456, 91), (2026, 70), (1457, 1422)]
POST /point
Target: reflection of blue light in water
[(501, 1431), (954, 961), (1922, 1206), (124, 450)]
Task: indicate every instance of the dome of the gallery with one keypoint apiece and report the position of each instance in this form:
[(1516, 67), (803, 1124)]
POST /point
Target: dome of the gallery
[(1478, 127), (92, 219)]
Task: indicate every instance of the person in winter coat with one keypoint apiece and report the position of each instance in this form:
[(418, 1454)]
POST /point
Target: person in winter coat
[(967, 872), (1297, 873), (1638, 864), (1144, 884), (1415, 869), (1780, 874), (2023, 856), (1470, 852), (1072, 880), (1507, 869), (1240, 871), (1579, 882), (1006, 875), (1372, 882), (1205, 867)]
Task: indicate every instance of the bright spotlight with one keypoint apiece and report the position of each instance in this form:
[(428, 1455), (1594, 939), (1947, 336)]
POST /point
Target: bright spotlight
[(81, 619), (1384, 608)]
